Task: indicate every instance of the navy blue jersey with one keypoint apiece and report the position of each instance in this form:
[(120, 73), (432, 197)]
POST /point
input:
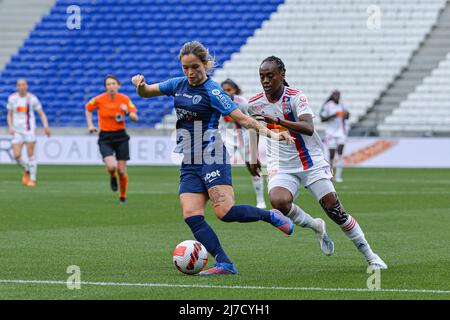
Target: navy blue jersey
[(198, 110)]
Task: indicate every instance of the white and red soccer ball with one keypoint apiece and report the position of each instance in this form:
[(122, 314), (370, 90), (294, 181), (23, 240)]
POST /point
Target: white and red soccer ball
[(190, 257)]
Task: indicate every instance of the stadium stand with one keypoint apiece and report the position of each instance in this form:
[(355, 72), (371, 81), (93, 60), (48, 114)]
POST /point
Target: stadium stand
[(325, 44), (427, 109), (432, 50), (328, 45), (17, 19), (124, 37)]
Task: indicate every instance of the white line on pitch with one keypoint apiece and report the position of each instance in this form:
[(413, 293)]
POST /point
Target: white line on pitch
[(205, 286)]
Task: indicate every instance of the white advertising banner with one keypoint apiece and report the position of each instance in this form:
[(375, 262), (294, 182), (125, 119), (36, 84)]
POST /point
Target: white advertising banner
[(398, 152), (144, 150), (157, 150)]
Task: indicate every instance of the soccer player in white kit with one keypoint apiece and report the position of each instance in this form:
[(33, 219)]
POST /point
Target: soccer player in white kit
[(236, 138), (335, 115), (302, 163), (21, 107)]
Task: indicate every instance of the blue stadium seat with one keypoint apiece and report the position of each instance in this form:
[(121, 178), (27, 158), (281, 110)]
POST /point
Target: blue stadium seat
[(66, 68)]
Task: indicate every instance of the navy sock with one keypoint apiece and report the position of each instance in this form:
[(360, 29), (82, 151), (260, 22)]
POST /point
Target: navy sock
[(246, 213), (206, 235)]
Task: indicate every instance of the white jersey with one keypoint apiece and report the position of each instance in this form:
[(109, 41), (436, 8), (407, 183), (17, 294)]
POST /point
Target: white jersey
[(336, 127), (241, 102), (23, 109), (234, 135), (307, 152)]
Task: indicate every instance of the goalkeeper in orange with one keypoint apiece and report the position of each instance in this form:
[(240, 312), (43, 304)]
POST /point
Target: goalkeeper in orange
[(113, 107)]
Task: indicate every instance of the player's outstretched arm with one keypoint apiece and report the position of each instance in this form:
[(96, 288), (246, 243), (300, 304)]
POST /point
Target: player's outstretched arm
[(143, 89), (250, 123)]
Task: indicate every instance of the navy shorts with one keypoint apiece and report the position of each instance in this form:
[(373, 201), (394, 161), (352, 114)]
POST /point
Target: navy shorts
[(114, 143), (196, 178)]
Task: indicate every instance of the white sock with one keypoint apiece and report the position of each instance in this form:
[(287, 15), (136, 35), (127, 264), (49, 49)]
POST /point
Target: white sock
[(22, 164), (301, 218), (258, 185), (32, 167), (339, 165), (354, 232)]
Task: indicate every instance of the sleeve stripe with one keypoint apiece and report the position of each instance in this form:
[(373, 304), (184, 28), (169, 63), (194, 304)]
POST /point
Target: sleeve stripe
[(258, 96)]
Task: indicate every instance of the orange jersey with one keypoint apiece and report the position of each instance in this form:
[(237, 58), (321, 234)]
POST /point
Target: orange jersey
[(110, 115)]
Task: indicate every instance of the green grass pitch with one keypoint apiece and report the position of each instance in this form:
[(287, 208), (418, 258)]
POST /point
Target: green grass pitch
[(72, 218)]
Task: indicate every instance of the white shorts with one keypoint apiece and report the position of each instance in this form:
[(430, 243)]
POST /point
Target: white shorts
[(317, 180), (21, 137), (333, 142)]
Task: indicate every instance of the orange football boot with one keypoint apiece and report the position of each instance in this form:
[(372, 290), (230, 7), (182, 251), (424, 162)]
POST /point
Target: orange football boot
[(31, 183), (25, 178)]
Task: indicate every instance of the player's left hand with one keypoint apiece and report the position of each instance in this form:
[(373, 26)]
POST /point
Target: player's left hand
[(265, 118), (255, 168), (286, 137), (124, 108), (345, 115), (47, 132), (138, 80)]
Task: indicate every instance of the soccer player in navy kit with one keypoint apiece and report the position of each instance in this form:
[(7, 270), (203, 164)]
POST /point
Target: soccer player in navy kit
[(206, 171)]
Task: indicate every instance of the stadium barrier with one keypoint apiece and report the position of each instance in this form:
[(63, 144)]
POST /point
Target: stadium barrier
[(157, 150)]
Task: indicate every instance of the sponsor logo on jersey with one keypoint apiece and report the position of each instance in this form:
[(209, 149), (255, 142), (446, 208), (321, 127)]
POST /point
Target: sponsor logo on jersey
[(196, 99), (287, 106), (258, 107), (183, 114), (276, 127), (222, 99), (22, 109), (303, 102), (183, 94)]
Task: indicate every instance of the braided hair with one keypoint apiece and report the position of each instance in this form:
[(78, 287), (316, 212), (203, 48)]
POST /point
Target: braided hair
[(331, 97), (232, 84), (279, 64)]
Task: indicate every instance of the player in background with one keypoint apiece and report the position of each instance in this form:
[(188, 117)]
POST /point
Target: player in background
[(335, 115), (303, 163), (237, 139), (21, 107), (205, 170), (112, 108)]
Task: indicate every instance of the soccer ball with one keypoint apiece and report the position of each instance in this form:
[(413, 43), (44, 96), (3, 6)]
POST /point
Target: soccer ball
[(190, 257)]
